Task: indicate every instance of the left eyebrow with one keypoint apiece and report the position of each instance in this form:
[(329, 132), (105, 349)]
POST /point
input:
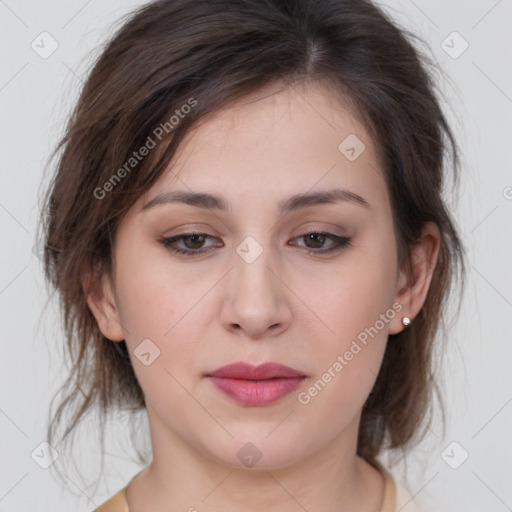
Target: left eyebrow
[(322, 197), (296, 202)]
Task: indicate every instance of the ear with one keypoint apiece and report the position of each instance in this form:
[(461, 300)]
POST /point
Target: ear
[(413, 284), (100, 299)]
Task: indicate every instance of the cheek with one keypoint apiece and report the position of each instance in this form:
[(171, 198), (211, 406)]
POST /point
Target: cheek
[(351, 295), (160, 311), (161, 307), (354, 310), (154, 294), (347, 362)]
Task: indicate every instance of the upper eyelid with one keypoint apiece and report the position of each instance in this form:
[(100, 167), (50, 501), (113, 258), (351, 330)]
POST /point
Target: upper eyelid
[(176, 238), (207, 235)]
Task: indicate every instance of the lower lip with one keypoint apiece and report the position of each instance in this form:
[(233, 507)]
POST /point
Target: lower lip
[(257, 392)]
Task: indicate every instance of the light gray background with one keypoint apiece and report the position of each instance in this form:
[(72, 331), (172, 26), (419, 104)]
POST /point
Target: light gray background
[(35, 96)]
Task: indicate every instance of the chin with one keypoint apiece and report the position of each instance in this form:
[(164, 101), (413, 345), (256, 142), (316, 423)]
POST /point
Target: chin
[(255, 451)]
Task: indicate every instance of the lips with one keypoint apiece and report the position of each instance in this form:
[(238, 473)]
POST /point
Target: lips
[(256, 385), (248, 371)]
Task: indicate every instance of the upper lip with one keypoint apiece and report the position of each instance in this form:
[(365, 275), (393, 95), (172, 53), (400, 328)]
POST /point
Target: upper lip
[(243, 370)]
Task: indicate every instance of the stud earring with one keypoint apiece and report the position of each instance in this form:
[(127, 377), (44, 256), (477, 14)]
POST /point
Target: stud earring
[(406, 321)]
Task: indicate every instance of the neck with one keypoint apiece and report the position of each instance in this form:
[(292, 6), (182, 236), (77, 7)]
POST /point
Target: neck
[(180, 477)]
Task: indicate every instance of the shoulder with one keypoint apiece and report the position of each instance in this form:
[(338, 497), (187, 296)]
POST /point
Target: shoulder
[(406, 502), (117, 503), (397, 497)]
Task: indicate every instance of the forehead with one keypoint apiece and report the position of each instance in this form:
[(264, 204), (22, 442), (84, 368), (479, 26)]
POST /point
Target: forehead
[(276, 143)]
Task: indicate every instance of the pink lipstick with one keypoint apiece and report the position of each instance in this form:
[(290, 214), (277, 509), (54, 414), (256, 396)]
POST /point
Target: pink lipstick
[(256, 385)]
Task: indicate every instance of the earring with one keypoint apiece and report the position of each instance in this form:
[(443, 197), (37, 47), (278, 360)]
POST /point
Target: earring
[(406, 321)]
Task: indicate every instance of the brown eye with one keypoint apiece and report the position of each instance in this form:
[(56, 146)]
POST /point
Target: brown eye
[(196, 241), (316, 239), (315, 242), (192, 243)]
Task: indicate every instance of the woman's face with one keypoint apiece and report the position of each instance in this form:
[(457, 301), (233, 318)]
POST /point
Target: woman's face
[(252, 287)]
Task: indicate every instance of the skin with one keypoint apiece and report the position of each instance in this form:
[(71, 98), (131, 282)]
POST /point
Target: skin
[(288, 306)]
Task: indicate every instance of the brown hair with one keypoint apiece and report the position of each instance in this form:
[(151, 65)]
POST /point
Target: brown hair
[(170, 52)]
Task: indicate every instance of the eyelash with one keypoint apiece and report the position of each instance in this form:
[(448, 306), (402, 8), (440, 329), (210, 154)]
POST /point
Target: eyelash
[(340, 242)]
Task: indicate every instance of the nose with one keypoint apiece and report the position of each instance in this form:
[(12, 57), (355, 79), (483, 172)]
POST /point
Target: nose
[(256, 302)]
